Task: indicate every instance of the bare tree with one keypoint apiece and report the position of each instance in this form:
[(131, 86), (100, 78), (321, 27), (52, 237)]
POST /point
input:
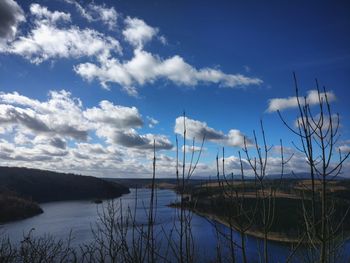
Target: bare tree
[(265, 193), (318, 135)]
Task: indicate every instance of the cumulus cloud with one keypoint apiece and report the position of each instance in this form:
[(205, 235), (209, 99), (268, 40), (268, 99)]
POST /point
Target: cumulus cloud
[(236, 138), (49, 40), (55, 134), (145, 67), (11, 15), (117, 125), (43, 15), (297, 164), (199, 130), (234, 163), (58, 143), (107, 15), (63, 117), (292, 102), (52, 35), (96, 152), (323, 123), (137, 32), (33, 153), (27, 118), (192, 148), (196, 129), (60, 115), (344, 149), (94, 149), (114, 115), (18, 99), (40, 139), (131, 138)]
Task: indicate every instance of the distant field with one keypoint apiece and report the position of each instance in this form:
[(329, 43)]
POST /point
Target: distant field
[(219, 200)]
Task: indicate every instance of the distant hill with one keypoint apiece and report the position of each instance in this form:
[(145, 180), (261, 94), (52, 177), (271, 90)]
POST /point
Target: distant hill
[(46, 186), (300, 176), (169, 183)]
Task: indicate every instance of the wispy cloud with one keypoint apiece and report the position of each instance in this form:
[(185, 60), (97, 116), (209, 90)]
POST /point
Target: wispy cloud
[(152, 122), (93, 12)]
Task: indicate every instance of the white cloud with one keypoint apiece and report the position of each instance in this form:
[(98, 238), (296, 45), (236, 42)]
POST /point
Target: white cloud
[(58, 143), (43, 15), (130, 138), (145, 67), (55, 134), (84, 13), (107, 15), (43, 136), (344, 149), (151, 122), (297, 164), (318, 122), (292, 102), (94, 12), (163, 40), (191, 148), (117, 125), (236, 138), (137, 32), (198, 130), (114, 115), (47, 40), (52, 35), (131, 91), (17, 99), (110, 71), (61, 115)]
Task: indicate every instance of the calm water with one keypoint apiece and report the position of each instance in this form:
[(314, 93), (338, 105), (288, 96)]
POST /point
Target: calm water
[(78, 217)]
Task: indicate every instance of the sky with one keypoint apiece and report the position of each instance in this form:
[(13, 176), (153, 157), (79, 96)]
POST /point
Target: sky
[(88, 86)]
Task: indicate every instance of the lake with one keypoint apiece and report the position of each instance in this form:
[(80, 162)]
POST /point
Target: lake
[(78, 217)]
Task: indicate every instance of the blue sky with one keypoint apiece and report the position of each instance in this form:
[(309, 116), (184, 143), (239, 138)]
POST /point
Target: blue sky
[(86, 86)]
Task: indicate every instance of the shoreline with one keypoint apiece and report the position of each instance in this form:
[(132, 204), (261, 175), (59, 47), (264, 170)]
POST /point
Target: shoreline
[(38, 210), (272, 236)]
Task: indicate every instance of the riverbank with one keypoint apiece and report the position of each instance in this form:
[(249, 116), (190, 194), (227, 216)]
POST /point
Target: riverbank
[(272, 236), (14, 208)]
